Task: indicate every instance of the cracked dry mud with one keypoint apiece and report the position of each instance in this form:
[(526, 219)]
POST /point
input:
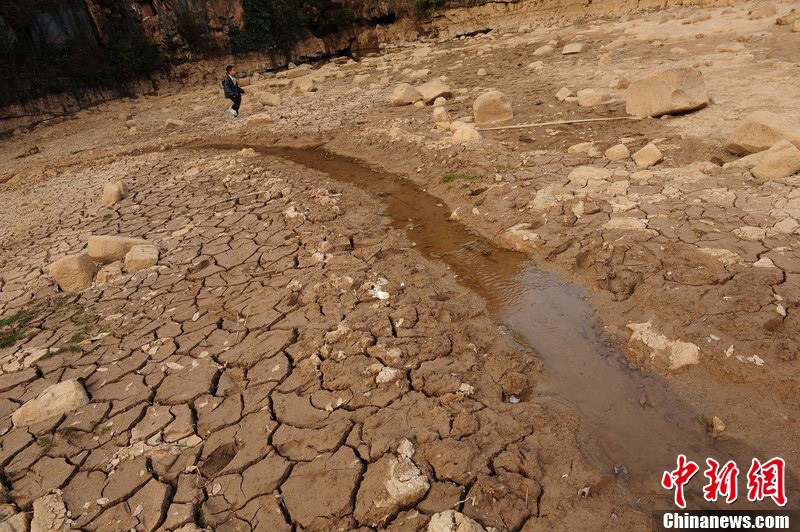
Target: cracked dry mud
[(252, 380)]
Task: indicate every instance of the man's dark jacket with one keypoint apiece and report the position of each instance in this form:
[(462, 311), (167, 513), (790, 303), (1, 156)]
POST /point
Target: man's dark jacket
[(232, 89)]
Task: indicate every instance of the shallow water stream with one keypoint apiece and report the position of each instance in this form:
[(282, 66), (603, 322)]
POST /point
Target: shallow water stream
[(631, 424)]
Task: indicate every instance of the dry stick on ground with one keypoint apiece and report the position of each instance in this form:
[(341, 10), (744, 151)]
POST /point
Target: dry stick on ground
[(559, 122)]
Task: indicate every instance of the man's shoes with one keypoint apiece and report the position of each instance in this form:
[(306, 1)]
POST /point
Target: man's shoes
[(234, 113)]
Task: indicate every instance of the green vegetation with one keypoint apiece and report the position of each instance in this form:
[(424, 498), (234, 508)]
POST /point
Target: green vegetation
[(192, 26), (449, 177), (69, 433), (45, 443), (74, 60), (12, 328), (426, 7), (703, 420), (271, 26)]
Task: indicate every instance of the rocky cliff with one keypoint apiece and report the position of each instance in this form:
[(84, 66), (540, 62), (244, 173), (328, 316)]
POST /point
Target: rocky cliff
[(197, 37)]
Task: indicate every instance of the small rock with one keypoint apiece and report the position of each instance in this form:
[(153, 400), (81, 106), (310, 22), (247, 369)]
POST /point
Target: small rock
[(592, 97), (452, 521), (465, 134), (140, 257), (618, 152), (173, 123), (481, 71), (109, 272), (520, 237), (405, 94), (564, 93), (583, 147), (440, 102), (782, 160), (440, 115), (108, 248), (304, 84), (543, 50), (789, 18), (796, 26), (670, 91), (113, 192), (269, 99), (73, 273), (389, 484), (361, 80), (420, 74), (648, 156), (433, 89), (760, 131), (573, 48), (49, 514), (55, 400), (717, 426), (491, 107)]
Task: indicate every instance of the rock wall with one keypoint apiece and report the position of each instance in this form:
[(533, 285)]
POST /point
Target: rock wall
[(376, 22)]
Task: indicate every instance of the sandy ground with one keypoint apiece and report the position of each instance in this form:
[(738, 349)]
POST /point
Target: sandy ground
[(256, 348)]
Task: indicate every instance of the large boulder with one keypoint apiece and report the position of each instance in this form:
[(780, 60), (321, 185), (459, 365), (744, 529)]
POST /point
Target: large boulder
[(55, 400), (760, 131), (670, 91), (73, 273), (434, 89), (107, 248), (405, 94), (140, 257), (782, 160), (492, 106)]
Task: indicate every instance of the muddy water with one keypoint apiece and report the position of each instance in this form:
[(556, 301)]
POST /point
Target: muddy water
[(630, 423)]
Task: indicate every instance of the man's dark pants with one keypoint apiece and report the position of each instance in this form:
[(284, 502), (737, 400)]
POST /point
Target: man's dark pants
[(236, 103)]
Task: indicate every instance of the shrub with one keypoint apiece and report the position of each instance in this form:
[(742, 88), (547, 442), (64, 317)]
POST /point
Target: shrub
[(426, 7), (449, 177)]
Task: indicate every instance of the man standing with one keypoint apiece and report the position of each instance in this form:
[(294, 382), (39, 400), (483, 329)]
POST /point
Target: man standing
[(232, 90)]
